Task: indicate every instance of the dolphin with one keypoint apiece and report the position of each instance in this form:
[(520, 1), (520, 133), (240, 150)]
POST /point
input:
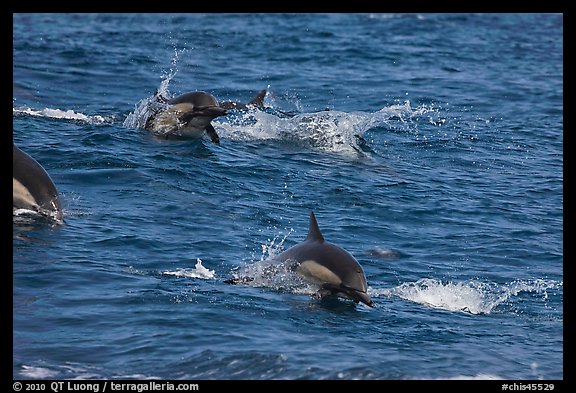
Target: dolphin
[(187, 115), (32, 187), (328, 265)]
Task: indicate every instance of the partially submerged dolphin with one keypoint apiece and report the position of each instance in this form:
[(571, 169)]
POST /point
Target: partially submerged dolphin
[(32, 187), (190, 114), (325, 264)]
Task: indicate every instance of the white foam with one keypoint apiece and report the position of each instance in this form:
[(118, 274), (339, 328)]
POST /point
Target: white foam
[(199, 271), (37, 372), (19, 212), (62, 114), (26, 216), (330, 131), (273, 274), (469, 297), (272, 249), (473, 296), (477, 377)]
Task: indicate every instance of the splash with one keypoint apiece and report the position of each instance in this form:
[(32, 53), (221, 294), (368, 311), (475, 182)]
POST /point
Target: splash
[(266, 272), (472, 296), (149, 106), (329, 131), (23, 216), (279, 276), (272, 249), (63, 114), (199, 271)]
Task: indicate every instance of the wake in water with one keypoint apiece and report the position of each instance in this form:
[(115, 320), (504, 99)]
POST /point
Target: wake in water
[(329, 131), (472, 296), (63, 114)]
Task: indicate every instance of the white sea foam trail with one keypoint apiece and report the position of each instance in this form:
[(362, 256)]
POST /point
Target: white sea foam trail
[(473, 296), (23, 216), (331, 131), (63, 114)]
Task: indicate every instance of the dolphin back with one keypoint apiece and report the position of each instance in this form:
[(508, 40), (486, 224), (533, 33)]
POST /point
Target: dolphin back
[(196, 98)]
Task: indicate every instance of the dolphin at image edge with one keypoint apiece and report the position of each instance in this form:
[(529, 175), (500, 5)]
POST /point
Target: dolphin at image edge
[(32, 187)]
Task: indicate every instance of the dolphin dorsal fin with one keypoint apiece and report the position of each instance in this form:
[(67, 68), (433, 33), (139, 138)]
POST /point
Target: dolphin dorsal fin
[(259, 99), (313, 230)]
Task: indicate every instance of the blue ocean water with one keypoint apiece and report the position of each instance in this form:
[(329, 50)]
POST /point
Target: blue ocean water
[(429, 146)]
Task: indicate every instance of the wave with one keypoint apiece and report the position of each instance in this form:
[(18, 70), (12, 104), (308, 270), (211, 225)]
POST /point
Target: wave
[(473, 296), (63, 114)]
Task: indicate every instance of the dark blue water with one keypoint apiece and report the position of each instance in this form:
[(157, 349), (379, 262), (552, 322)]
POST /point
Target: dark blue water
[(439, 166)]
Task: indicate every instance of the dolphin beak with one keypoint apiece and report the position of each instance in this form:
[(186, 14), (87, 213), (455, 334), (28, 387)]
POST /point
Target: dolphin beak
[(359, 296), (364, 298), (347, 292), (210, 111)]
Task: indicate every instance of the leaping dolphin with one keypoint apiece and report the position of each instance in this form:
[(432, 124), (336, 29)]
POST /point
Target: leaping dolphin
[(32, 187), (188, 116), (328, 265)]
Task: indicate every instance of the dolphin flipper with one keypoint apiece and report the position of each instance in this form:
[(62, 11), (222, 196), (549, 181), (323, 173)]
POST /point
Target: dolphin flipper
[(212, 133)]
